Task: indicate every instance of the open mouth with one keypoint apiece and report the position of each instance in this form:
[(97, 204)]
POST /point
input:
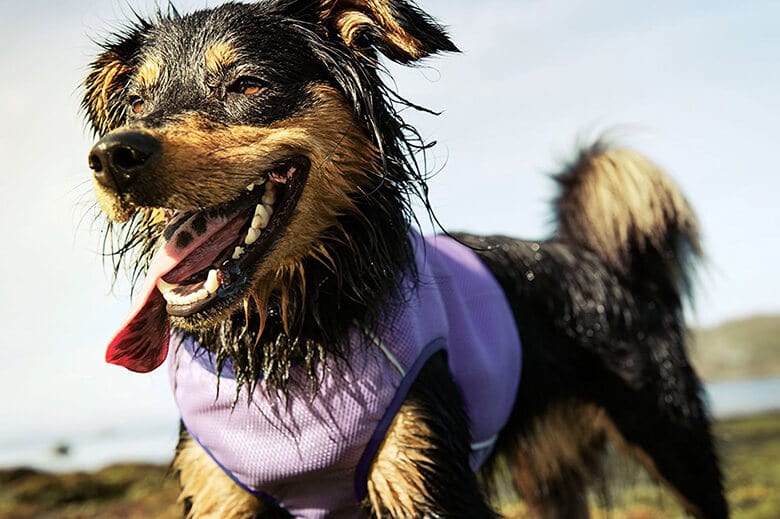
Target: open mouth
[(206, 262), (223, 245)]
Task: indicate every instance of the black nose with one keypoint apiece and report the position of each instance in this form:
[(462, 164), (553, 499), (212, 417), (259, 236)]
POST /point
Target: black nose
[(118, 158)]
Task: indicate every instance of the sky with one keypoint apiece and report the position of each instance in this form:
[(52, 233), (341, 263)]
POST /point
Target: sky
[(694, 85)]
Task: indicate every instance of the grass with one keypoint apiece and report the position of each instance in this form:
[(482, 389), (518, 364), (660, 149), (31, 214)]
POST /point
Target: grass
[(749, 447), (130, 491), (750, 450), (750, 454)]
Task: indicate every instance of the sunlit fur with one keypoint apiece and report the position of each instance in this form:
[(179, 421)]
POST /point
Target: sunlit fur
[(206, 491), (599, 305), (422, 466), (625, 196), (600, 315), (368, 150)]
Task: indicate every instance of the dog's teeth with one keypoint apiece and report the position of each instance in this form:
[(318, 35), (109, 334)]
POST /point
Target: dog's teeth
[(238, 253), (212, 282), (198, 296), (250, 187), (164, 287), (269, 197), (261, 213), (179, 300), (251, 236), (262, 216)]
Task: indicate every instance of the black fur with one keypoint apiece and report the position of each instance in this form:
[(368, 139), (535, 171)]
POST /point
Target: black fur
[(596, 335), (369, 267), (588, 337)]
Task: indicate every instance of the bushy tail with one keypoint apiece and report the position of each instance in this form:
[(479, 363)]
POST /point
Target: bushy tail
[(619, 205)]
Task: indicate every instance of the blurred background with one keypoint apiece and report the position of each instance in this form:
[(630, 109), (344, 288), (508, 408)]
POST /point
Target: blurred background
[(694, 85)]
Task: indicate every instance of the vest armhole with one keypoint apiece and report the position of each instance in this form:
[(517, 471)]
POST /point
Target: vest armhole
[(372, 447), (262, 496)]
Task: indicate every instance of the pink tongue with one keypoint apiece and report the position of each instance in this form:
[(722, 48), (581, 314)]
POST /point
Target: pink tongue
[(141, 343)]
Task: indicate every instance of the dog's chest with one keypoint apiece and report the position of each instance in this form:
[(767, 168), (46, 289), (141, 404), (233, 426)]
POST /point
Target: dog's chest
[(311, 455)]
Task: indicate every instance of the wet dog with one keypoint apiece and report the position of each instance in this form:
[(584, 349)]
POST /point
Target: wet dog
[(328, 360)]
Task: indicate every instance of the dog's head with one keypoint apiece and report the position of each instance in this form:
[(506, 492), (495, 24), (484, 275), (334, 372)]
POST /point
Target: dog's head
[(258, 168)]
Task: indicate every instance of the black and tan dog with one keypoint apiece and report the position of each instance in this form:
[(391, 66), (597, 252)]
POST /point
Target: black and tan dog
[(254, 165)]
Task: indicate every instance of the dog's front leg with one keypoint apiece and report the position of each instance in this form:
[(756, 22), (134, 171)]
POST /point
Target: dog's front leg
[(207, 492), (422, 468)]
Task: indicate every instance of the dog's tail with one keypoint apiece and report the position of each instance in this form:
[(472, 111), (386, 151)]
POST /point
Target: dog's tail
[(622, 207), (599, 311)]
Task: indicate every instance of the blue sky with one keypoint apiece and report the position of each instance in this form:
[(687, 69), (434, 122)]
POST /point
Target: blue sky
[(694, 85)]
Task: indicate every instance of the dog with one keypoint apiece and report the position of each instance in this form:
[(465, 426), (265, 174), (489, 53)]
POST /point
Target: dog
[(327, 359)]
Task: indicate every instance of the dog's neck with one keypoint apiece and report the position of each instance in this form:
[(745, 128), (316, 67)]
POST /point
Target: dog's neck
[(321, 308)]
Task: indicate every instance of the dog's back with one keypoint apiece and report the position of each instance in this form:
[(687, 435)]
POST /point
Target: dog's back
[(261, 170), (599, 309)]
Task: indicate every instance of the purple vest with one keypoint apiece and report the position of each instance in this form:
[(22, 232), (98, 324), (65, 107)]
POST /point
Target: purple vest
[(312, 455)]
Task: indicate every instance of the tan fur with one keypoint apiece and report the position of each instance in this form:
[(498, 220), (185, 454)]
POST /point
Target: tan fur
[(187, 178), (395, 483), (116, 209), (557, 447), (620, 199), (219, 56), (103, 85), (557, 443), (148, 74), (212, 493), (350, 16), (349, 23), (343, 163)]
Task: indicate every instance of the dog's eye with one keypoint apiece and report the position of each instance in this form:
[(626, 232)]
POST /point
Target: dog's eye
[(137, 104), (247, 85)]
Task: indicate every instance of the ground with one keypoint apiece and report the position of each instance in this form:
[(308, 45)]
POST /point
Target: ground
[(750, 448)]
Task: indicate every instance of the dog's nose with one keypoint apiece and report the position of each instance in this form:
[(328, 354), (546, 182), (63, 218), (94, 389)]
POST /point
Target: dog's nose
[(118, 158)]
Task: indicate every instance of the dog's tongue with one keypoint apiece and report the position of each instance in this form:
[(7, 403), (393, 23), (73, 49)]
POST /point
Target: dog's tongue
[(141, 343)]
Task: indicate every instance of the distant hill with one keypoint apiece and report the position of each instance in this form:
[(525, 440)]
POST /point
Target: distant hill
[(744, 348)]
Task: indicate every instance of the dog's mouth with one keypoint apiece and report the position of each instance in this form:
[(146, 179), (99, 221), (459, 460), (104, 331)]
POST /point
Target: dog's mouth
[(206, 261), (235, 237)]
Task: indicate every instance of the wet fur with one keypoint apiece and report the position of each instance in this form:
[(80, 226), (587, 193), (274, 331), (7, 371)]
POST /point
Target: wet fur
[(598, 305)]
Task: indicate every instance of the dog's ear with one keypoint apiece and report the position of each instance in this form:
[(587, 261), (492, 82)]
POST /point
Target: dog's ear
[(397, 28), (104, 87)]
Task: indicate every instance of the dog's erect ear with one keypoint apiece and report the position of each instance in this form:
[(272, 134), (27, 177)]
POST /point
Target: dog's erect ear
[(396, 28), (104, 87)]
